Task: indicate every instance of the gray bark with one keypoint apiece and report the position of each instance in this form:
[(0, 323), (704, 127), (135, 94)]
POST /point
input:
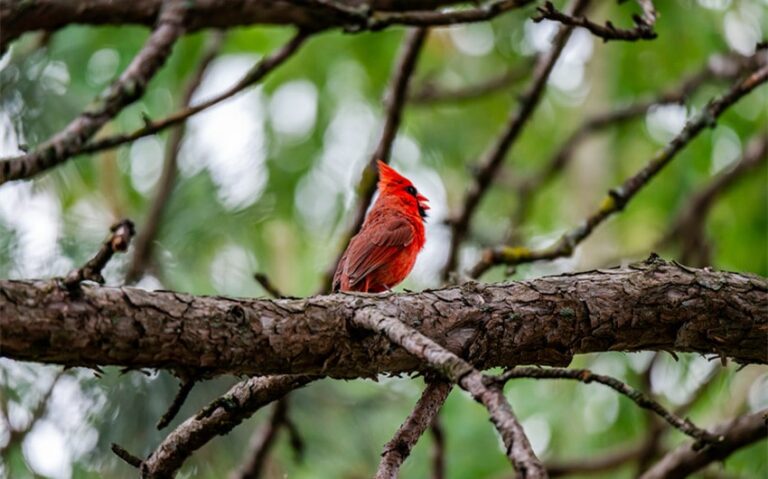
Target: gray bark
[(649, 306)]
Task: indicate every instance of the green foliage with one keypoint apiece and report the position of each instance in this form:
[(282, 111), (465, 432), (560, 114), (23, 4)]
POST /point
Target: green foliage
[(289, 227)]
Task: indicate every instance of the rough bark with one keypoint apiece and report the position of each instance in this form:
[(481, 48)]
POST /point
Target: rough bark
[(50, 15), (653, 305)]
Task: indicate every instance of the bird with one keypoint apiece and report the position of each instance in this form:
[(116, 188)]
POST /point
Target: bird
[(382, 254)]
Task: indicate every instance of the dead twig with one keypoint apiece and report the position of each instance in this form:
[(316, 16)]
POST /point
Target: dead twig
[(118, 241)]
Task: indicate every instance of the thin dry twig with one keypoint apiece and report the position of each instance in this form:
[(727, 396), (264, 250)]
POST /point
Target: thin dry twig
[(494, 157), (184, 389), (394, 101), (364, 18), (618, 197), (586, 376), (641, 31), (126, 456), (688, 227), (268, 285), (125, 90), (428, 93), (118, 241), (397, 450), (438, 448), (261, 443), (686, 460), (218, 418), (143, 246), (718, 67), (254, 75), (483, 389)]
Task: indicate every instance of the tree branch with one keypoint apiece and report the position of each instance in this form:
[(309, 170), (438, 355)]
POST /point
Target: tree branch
[(118, 241), (218, 418), (543, 321), (457, 370), (262, 441), (125, 90), (310, 15), (718, 67), (254, 75), (397, 450), (618, 197), (144, 245), (494, 157), (641, 31), (429, 94), (586, 376), (688, 226), (685, 460), (394, 101)]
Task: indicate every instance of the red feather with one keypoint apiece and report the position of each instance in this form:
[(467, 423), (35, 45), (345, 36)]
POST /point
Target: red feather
[(382, 254)]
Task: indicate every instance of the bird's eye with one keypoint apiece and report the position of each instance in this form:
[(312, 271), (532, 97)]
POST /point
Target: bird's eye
[(410, 190)]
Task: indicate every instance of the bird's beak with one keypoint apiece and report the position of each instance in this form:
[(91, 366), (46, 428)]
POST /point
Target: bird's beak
[(422, 202)]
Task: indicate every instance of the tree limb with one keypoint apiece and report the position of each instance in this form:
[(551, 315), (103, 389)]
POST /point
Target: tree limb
[(618, 197), (218, 418), (685, 460), (397, 450), (143, 247), (641, 31), (128, 88), (543, 321), (457, 370), (494, 157)]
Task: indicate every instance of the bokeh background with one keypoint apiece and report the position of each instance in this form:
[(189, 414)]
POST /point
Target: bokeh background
[(267, 183)]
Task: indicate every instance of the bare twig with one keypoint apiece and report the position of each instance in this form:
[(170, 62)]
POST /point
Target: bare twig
[(689, 225), (686, 460), (218, 418), (144, 245), (184, 389), (586, 376), (124, 91), (641, 31), (16, 435), (438, 448), (483, 389), (397, 450), (364, 18), (718, 67), (126, 456), (118, 241), (494, 157), (394, 101), (268, 285), (261, 443), (618, 197), (254, 75), (429, 93), (609, 461)]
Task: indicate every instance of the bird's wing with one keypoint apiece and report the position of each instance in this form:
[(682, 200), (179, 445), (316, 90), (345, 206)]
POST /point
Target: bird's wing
[(372, 249)]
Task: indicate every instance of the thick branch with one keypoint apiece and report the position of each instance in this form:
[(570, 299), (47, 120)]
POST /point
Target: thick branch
[(311, 15), (684, 460), (647, 306), (128, 88), (494, 157), (483, 389), (244, 399), (397, 450)]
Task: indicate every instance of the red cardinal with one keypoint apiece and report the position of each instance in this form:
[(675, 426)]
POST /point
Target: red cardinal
[(383, 253)]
